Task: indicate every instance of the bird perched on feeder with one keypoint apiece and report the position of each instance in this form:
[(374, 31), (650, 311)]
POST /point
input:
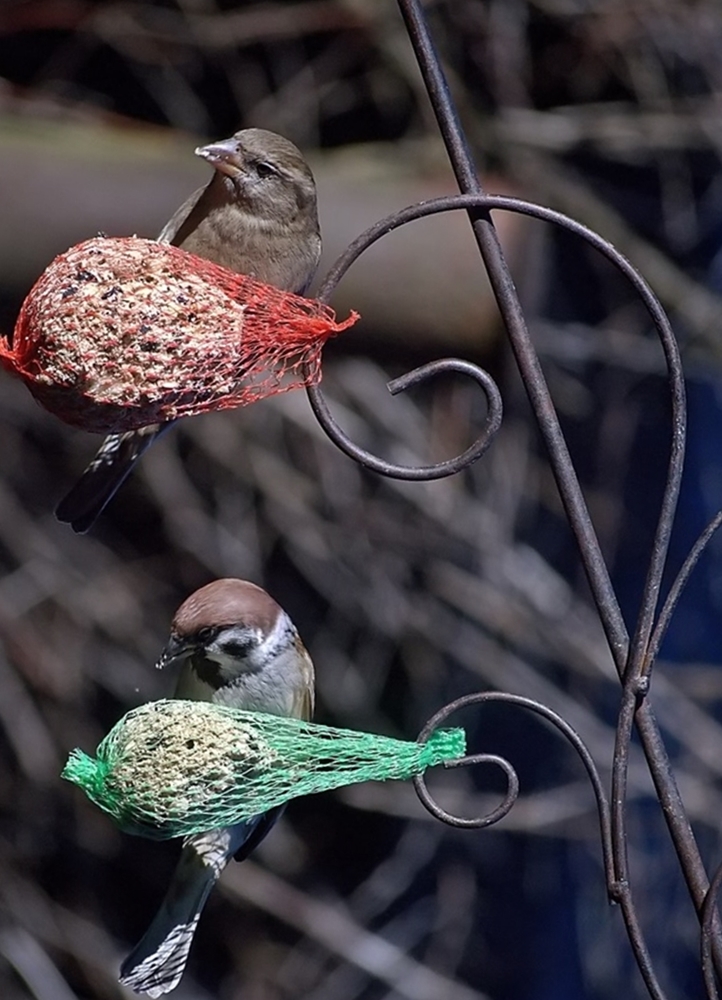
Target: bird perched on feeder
[(257, 215), (237, 647)]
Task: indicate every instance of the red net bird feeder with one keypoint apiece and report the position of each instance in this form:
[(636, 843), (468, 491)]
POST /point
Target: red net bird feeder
[(120, 333)]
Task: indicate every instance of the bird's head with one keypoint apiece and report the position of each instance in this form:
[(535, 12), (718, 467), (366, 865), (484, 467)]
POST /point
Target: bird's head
[(238, 647), (267, 171), (227, 628)]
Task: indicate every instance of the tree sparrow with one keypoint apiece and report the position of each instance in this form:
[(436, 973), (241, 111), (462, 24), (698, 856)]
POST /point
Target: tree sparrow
[(236, 647)]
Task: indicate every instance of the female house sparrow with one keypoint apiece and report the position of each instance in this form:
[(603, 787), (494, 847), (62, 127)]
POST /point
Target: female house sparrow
[(257, 215), (237, 647)]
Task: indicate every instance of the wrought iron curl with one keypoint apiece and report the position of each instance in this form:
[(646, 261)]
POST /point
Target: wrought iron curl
[(492, 423), (468, 203), (635, 709), (512, 779), (635, 665), (512, 794), (633, 657), (422, 473), (618, 886)]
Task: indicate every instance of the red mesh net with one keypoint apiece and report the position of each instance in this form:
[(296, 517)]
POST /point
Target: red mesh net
[(120, 333)]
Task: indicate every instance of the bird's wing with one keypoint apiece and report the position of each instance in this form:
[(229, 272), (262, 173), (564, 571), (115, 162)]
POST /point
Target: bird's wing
[(156, 964), (305, 709), (170, 230), (111, 466), (258, 829)]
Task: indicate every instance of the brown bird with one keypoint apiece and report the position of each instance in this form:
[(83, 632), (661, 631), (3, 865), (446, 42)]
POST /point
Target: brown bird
[(257, 215), (236, 647)]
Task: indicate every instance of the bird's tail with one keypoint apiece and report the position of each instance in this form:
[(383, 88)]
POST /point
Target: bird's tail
[(105, 475), (156, 964)]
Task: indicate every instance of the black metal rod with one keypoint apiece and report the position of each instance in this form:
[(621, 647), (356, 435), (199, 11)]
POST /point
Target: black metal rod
[(709, 919), (526, 357), (633, 660), (572, 498), (675, 591)]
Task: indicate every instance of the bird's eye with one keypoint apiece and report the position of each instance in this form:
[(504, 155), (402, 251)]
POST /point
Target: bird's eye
[(265, 169), (206, 634)]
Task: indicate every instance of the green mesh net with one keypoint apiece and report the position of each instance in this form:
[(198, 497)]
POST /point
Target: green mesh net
[(173, 768)]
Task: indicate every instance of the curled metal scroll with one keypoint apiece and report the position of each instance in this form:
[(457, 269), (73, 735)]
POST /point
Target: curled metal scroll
[(424, 472), (633, 656), (633, 660), (463, 202), (512, 793), (618, 887)]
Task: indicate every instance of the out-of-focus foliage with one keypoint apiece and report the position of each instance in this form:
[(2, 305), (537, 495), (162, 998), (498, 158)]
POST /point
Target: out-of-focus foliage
[(407, 595)]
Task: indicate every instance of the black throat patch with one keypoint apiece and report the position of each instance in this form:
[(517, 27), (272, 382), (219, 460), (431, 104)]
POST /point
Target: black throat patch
[(207, 670)]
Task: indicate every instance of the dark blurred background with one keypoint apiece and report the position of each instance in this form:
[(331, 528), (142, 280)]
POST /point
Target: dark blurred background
[(407, 595)]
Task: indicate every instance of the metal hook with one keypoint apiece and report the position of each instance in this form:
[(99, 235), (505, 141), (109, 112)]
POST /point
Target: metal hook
[(424, 472), (482, 697), (411, 213), (418, 375), (512, 793)]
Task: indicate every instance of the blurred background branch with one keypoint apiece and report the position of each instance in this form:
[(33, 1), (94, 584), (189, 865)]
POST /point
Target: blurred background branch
[(407, 595)]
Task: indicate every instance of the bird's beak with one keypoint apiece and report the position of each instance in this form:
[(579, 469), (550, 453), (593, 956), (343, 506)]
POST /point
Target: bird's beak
[(224, 156), (176, 650)]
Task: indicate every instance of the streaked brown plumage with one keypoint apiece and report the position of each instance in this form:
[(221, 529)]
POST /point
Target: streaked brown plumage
[(257, 215)]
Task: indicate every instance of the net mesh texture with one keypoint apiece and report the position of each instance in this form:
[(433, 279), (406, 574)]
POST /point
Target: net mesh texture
[(119, 333), (172, 768)]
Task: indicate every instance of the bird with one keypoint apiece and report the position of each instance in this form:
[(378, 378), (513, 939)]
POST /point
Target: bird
[(236, 647), (258, 216)]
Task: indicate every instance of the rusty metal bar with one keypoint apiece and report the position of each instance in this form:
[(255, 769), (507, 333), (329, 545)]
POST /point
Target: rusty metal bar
[(633, 658)]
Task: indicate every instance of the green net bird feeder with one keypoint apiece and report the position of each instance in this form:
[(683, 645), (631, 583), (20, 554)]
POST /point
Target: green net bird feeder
[(173, 768)]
